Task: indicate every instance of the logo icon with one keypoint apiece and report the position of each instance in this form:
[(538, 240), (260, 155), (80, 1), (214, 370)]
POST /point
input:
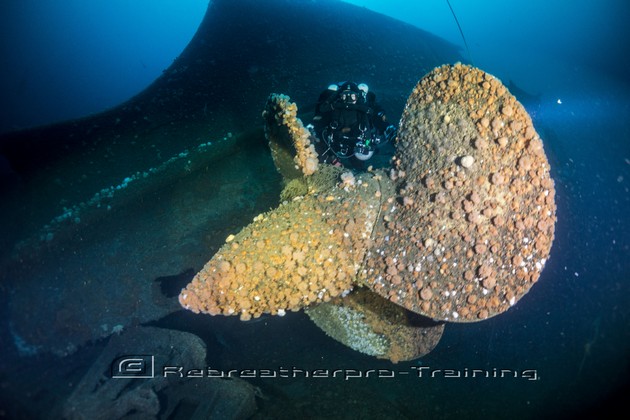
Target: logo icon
[(136, 366)]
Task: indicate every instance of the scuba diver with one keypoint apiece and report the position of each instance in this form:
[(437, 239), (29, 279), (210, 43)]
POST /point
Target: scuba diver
[(349, 125)]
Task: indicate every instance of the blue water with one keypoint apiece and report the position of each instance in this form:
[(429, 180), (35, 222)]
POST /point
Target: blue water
[(72, 58), (569, 60)]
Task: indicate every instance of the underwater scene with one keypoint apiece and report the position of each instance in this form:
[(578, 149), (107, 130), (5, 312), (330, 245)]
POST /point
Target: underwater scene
[(319, 209)]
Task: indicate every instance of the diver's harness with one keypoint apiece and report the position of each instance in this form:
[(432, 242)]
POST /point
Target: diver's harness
[(349, 129), (359, 140)]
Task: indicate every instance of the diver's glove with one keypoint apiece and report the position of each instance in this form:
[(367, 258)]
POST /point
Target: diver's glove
[(390, 133)]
